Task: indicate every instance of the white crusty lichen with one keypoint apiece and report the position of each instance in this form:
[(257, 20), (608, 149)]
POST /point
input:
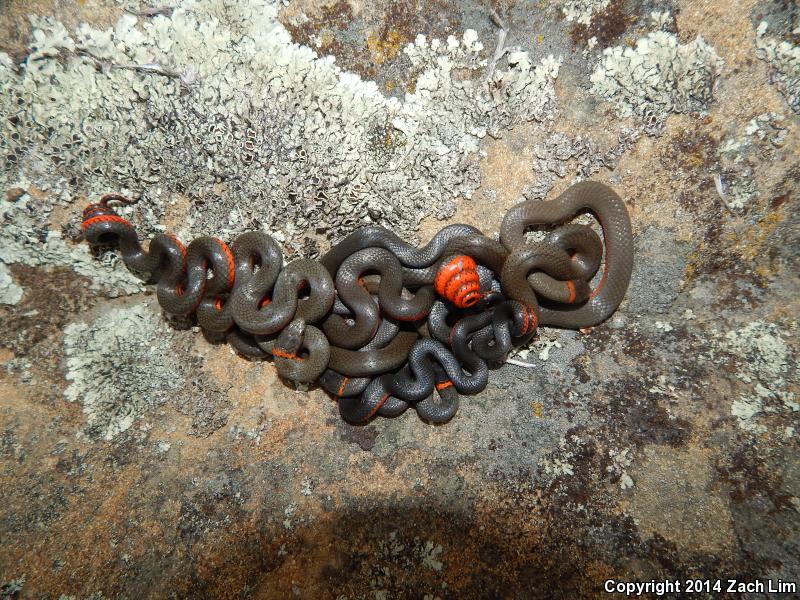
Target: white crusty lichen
[(558, 154), (430, 553), (656, 77), (544, 345), (745, 409), (761, 349), (25, 238), (216, 102), (582, 11), (557, 466), (10, 292), (736, 183), (412, 552), (661, 19), (119, 366), (763, 363), (620, 461), (784, 63)]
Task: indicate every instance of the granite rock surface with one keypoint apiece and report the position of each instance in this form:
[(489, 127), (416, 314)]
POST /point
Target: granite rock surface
[(140, 460)]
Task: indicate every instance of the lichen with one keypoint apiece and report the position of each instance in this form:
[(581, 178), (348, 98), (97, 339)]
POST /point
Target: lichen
[(10, 292), (784, 64), (411, 553), (763, 364), (620, 461), (762, 350), (216, 102), (582, 11), (25, 238), (559, 462), (745, 408), (559, 155), (119, 366), (738, 154), (383, 48), (12, 589), (656, 77), (558, 466), (430, 554)]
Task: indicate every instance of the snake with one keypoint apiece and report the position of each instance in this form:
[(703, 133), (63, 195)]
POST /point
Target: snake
[(379, 323), (374, 236), (249, 288), (365, 312), (603, 300), (476, 339), (391, 394), (350, 371)]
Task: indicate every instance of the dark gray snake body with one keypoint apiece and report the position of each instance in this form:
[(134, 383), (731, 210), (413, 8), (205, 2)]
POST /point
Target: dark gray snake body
[(382, 324), (586, 196)]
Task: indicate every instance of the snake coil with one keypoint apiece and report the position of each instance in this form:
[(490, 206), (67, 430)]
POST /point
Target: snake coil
[(384, 325)]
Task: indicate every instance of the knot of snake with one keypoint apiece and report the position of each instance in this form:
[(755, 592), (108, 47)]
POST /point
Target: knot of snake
[(381, 324)]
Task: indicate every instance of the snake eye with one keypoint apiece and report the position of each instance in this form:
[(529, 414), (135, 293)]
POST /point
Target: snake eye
[(457, 281)]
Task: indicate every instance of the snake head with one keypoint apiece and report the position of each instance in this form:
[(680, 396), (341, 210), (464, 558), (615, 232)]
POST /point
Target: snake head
[(291, 338), (457, 280)]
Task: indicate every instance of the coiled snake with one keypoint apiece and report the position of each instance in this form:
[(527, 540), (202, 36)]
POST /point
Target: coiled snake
[(382, 324)]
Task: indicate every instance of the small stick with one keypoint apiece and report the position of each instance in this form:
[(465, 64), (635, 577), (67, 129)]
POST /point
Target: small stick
[(151, 11), (500, 50), (149, 68), (721, 191), (519, 363)]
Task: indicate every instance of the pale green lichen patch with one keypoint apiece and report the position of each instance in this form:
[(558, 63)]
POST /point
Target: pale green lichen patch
[(10, 292), (620, 461), (216, 102), (119, 367), (25, 238), (763, 352), (738, 155), (784, 63), (408, 553), (13, 588), (657, 76), (430, 554), (582, 11), (763, 364)]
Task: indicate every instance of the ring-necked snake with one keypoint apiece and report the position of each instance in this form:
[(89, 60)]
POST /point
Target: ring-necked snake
[(382, 324), (603, 300)]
